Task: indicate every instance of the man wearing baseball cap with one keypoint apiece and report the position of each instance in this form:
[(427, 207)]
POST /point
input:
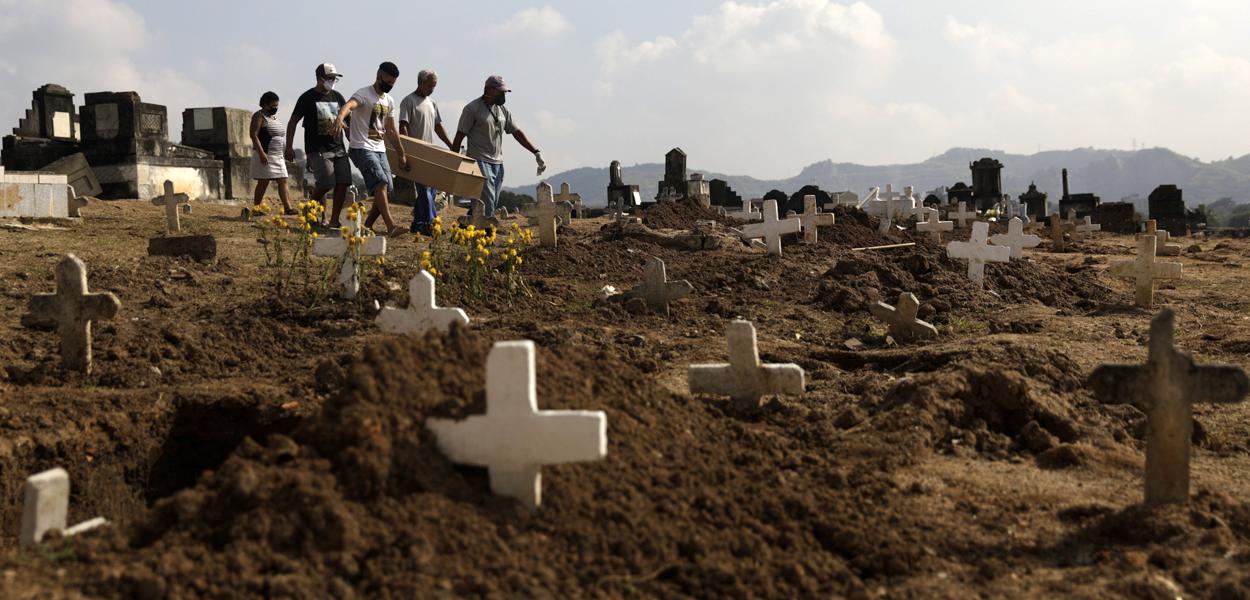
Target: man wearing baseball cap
[(484, 122), (323, 147)]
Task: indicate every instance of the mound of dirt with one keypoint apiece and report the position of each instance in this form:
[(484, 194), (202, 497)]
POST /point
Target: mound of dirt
[(682, 214)]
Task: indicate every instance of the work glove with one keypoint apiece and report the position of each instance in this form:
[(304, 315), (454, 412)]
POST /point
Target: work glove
[(542, 165)]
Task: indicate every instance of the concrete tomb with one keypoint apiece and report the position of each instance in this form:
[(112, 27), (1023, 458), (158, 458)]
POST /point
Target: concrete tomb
[(657, 290), (45, 507), (744, 379), (80, 177), (1015, 238), (962, 216), (226, 133), (48, 132), (902, 319), (813, 218), (622, 197), (1118, 217), (352, 245), (37, 195), (1144, 270), (1166, 388), (934, 226), (1166, 206), (73, 307), (1034, 203), (771, 229), (987, 183), (514, 439), (978, 252), (1083, 204), (723, 195), (423, 313)]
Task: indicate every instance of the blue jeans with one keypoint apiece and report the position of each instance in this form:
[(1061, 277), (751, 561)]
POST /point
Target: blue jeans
[(423, 207), (373, 166), (493, 185)]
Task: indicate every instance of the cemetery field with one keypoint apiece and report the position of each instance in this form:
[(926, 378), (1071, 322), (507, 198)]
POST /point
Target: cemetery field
[(249, 443)]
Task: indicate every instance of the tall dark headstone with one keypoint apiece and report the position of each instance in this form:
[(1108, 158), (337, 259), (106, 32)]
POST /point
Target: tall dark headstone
[(1034, 202), (781, 199), (1167, 208), (674, 182), (1085, 205), (47, 133), (723, 195), (620, 194), (1117, 217), (987, 183), (960, 192), (795, 201)]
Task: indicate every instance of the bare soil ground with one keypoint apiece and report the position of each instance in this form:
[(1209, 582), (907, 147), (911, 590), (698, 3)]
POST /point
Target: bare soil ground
[(247, 447)]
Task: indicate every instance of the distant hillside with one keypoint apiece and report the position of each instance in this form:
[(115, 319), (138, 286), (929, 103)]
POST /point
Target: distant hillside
[(1112, 174)]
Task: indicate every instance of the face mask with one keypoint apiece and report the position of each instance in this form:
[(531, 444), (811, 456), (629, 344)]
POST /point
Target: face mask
[(500, 99), (329, 83), (271, 111), (385, 87)]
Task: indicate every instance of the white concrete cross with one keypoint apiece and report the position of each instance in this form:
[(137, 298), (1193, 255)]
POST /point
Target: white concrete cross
[(514, 439), (873, 195), (171, 201), (902, 320), (1144, 270), (771, 229), (1166, 388), (978, 252), (888, 210), (657, 290), (423, 313), (46, 508), (745, 380), (547, 214), (913, 206), (813, 218), (1015, 238), (73, 307), (341, 248), (1163, 248), (933, 225), (1085, 228), (574, 200), (748, 213), (889, 195), (962, 215)]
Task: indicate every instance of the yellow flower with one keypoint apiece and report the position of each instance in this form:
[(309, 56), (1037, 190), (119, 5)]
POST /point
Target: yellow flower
[(481, 261), (425, 255), (519, 260)]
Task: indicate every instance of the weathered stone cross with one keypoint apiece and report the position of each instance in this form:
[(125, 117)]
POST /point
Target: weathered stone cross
[(772, 228), (888, 209), (962, 215), (1084, 228), (73, 308), (547, 215), (1163, 248), (341, 248), (813, 218), (423, 313), (745, 380), (574, 200), (1165, 388), (747, 213), (902, 320), (171, 201), (1145, 270), (978, 252), (933, 225), (514, 439), (657, 290), (46, 508), (1057, 229), (1015, 238)]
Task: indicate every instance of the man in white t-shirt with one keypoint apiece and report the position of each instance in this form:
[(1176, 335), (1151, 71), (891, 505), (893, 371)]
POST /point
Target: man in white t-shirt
[(372, 110), (419, 118)]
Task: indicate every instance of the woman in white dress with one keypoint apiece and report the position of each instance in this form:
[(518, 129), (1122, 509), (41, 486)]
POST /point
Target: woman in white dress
[(268, 143)]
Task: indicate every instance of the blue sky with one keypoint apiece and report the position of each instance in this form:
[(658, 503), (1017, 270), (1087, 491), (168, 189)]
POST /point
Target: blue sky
[(749, 87)]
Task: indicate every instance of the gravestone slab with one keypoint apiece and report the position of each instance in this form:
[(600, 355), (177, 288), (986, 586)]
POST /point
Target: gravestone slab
[(1144, 270), (744, 379), (198, 247), (1166, 388), (902, 321), (514, 439), (45, 508), (1016, 239), (73, 307), (657, 290), (423, 313), (978, 252)]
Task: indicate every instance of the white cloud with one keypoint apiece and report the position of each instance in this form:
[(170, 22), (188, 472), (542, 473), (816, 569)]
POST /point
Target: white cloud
[(989, 45), (615, 53), (1087, 51), (533, 22), (552, 124)]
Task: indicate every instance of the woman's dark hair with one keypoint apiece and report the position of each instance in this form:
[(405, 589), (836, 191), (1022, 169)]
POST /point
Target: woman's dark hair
[(267, 98)]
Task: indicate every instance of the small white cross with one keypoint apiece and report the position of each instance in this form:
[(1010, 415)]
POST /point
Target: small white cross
[(1166, 388), (978, 252), (423, 313), (933, 225), (657, 290), (73, 307), (813, 218), (340, 248), (902, 320), (748, 213), (514, 439), (745, 380), (46, 508), (1144, 270), (771, 229), (1015, 238), (1163, 248), (1085, 228), (962, 215), (547, 215), (171, 201)]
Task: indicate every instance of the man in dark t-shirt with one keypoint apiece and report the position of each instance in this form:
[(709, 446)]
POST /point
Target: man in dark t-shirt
[(326, 154)]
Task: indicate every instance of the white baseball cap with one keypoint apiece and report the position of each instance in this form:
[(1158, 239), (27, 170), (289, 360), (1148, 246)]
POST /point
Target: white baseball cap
[(327, 70)]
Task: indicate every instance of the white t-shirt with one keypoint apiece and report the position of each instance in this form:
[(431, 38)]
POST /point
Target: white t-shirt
[(421, 114), (369, 120)]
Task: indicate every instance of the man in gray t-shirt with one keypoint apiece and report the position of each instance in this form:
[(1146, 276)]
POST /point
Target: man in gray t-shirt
[(419, 118), (485, 121)]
